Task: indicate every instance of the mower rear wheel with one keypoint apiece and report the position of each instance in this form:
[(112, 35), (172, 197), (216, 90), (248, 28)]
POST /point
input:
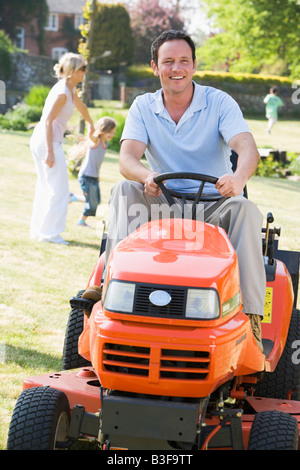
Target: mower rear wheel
[(286, 377), (274, 430), (40, 420), (71, 357)]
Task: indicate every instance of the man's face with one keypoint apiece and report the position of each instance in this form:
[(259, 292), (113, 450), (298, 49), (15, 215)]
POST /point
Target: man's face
[(175, 66)]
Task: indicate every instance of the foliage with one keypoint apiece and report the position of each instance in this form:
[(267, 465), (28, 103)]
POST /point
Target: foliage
[(114, 144), (37, 95), (85, 29), (17, 12), (6, 47), (30, 111), (4, 122), (253, 36), (270, 167), (71, 34), (139, 73), (111, 32), (295, 166), (148, 20), (18, 118)]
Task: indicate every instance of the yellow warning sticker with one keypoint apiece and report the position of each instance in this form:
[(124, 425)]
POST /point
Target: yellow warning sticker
[(268, 305)]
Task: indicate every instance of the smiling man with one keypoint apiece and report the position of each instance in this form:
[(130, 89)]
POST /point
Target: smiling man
[(189, 127)]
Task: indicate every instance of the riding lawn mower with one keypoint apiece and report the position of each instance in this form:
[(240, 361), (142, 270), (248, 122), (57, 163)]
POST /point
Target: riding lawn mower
[(166, 358)]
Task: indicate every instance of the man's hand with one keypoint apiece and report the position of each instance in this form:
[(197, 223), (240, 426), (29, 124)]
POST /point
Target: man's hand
[(151, 188), (230, 185)]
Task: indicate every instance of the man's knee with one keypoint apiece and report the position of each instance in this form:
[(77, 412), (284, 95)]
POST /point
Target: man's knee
[(244, 208)]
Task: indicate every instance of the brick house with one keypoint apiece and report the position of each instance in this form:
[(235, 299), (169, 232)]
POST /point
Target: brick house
[(61, 33)]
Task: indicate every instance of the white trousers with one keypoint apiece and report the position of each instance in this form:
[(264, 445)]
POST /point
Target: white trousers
[(51, 198), (238, 216)]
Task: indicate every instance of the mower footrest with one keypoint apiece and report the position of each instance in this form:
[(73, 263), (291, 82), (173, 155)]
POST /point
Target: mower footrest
[(153, 419)]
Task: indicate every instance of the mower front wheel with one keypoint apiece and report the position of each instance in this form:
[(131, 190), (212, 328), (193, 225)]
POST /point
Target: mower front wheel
[(71, 358), (274, 430), (40, 420)]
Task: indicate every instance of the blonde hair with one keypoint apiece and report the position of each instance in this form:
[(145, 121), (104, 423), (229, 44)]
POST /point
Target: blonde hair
[(68, 64), (104, 125)]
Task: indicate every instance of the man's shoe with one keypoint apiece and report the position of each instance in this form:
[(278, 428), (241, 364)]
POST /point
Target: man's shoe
[(255, 321), (92, 293)]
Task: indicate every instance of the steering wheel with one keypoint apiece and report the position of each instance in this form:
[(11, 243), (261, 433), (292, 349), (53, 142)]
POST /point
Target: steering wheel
[(197, 197)]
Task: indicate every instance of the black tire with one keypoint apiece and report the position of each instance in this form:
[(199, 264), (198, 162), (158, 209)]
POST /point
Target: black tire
[(41, 417), (274, 430), (286, 376), (71, 357)]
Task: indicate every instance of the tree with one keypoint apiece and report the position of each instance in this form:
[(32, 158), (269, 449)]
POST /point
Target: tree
[(84, 48), (112, 32), (107, 28), (6, 48), (14, 13), (148, 20), (254, 36)]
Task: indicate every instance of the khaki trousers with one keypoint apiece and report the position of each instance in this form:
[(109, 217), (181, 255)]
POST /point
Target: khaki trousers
[(239, 217)]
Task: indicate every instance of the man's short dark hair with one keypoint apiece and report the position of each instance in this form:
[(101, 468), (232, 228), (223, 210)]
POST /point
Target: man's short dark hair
[(169, 36)]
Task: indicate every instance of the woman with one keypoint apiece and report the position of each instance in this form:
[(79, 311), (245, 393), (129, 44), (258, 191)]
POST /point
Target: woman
[(52, 189)]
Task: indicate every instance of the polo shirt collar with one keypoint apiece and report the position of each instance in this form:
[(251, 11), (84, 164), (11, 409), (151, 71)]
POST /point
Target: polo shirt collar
[(198, 101)]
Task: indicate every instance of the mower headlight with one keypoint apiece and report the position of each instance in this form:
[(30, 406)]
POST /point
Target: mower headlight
[(119, 296), (202, 304)]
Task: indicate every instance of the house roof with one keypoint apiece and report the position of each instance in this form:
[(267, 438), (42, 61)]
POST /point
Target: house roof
[(66, 6)]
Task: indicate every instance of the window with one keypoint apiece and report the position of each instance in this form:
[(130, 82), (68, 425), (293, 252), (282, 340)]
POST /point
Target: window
[(52, 22), (57, 52), (20, 38), (78, 20)]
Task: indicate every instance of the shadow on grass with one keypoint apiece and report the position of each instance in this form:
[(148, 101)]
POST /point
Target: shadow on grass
[(29, 359)]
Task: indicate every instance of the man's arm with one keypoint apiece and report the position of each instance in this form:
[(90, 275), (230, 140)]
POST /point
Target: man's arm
[(133, 169), (244, 145)]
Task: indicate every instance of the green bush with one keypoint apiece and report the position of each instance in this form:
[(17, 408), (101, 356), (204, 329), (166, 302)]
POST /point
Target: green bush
[(114, 144), (4, 122), (23, 114), (37, 96), (18, 123), (294, 167), (28, 113), (269, 167), (20, 117), (137, 73)]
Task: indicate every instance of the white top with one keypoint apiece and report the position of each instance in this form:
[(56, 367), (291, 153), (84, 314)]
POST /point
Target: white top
[(60, 122)]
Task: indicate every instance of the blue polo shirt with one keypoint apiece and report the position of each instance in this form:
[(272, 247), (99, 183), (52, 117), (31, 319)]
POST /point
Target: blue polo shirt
[(197, 143)]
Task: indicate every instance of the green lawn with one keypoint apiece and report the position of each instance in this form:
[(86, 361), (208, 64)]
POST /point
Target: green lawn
[(38, 279), (284, 135)]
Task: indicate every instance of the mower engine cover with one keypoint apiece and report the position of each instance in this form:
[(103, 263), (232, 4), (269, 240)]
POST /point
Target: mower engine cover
[(195, 257), (171, 319)]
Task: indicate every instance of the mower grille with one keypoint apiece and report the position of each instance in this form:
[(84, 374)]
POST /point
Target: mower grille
[(176, 307), (173, 364)]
